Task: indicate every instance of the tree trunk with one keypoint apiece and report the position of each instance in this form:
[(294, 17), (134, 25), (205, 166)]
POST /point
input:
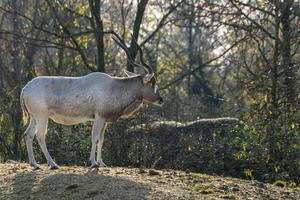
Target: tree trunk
[(17, 76), (97, 24), (31, 49), (289, 69), (273, 99), (136, 29), (190, 47)]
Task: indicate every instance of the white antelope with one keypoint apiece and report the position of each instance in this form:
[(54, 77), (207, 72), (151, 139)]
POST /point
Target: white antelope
[(96, 97)]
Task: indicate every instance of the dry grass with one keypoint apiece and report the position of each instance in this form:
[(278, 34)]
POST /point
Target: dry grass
[(18, 181)]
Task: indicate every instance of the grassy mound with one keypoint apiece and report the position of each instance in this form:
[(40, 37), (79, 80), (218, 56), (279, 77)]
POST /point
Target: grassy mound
[(18, 181)]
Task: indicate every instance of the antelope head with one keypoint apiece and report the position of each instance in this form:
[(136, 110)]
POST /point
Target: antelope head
[(150, 91)]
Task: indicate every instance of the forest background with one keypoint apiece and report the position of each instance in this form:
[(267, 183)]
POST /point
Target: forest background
[(229, 58)]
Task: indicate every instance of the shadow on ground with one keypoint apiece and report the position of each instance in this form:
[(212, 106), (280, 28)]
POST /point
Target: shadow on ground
[(60, 185)]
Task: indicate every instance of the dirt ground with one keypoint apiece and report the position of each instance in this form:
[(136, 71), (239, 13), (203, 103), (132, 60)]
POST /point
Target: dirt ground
[(19, 181)]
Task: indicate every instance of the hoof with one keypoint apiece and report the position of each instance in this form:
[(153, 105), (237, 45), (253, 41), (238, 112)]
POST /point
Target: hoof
[(35, 166), (95, 165), (54, 167), (101, 164)]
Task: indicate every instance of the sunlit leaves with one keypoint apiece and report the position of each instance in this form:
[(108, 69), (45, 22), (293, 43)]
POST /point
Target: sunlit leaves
[(293, 125), (82, 8), (84, 40), (248, 173), (76, 23), (77, 59)]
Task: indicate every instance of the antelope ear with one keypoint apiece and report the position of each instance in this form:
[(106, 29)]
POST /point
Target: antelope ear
[(147, 78), (129, 74)]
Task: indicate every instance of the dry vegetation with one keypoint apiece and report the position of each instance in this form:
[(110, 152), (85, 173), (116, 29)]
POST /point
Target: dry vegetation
[(18, 181)]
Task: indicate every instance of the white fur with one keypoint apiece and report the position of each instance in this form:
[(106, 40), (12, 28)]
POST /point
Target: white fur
[(155, 89), (96, 97)]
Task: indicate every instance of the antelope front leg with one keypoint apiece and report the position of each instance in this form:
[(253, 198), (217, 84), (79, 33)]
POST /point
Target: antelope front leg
[(98, 126)]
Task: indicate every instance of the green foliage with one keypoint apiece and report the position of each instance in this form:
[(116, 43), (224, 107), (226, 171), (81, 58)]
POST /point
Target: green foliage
[(280, 183), (252, 81), (202, 188)]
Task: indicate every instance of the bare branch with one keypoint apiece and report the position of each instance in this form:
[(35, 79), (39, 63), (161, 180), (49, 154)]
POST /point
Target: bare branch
[(162, 22), (253, 21), (186, 73), (78, 47)]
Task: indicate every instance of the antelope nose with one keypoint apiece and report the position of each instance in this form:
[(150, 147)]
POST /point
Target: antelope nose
[(161, 101)]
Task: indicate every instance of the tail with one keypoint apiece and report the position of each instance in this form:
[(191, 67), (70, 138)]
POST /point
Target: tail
[(24, 110)]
